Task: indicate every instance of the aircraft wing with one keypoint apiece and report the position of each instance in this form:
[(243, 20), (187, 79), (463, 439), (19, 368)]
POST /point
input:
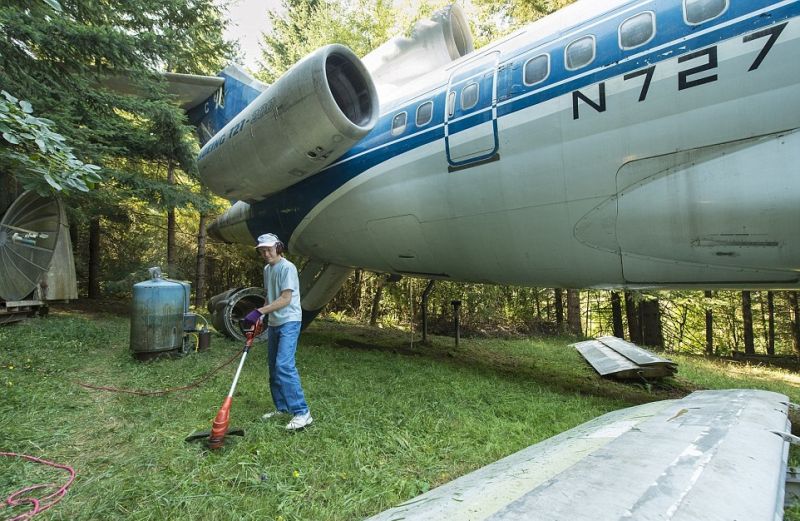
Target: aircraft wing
[(190, 90), (713, 455)]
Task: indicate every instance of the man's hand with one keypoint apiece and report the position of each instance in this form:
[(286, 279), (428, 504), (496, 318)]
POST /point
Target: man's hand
[(252, 317)]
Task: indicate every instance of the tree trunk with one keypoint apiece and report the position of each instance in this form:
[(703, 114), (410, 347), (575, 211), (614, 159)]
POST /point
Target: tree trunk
[(588, 320), (796, 323), (682, 324), (355, 301), (652, 334), (547, 309), (763, 314), (171, 267), (73, 235), (424, 307), (559, 305), (376, 302), (94, 258), (200, 269), (616, 314), (771, 321), (574, 311), (212, 276), (747, 316), (709, 324), (632, 314)]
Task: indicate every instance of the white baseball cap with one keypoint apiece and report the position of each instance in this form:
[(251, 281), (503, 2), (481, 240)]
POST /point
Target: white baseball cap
[(267, 240)]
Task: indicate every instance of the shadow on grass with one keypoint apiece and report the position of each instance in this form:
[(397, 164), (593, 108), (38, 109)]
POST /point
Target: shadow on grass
[(558, 367)]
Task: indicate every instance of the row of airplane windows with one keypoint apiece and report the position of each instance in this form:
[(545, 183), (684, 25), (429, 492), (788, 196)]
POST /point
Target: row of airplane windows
[(633, 32)]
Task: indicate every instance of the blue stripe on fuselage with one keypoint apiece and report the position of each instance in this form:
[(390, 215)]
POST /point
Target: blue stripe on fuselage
[(282, 212)]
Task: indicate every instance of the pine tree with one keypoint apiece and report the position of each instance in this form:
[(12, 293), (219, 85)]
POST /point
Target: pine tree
[(69, 60), (307, 25)]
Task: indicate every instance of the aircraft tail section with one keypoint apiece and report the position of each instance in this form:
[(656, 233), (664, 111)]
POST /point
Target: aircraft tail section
[(237, 92)]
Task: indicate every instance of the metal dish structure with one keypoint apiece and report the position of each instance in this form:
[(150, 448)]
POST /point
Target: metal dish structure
[(36, 261)]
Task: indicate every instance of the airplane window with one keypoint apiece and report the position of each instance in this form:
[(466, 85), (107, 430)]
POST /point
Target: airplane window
[(579, 53), (699, 11), (637, 30), (451, 103), (424, 113), (469, 96), (399, 124), (537, 69)]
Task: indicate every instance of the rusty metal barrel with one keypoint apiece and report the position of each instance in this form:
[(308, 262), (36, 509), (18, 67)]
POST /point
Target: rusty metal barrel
[(157, 316)]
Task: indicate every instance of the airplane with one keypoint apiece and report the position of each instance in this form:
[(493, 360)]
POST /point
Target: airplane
[(612, 144), (712, 455)]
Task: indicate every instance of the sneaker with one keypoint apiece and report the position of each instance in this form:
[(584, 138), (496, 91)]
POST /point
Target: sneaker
[(300, 421), (268, 415)]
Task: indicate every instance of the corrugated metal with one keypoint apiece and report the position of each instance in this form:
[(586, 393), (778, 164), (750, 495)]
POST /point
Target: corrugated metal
[(632, 352), (611, 356), (60, 280), (604, 360), (710, 456)]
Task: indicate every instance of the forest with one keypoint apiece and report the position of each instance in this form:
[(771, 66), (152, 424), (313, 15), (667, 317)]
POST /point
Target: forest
[(125, 167)]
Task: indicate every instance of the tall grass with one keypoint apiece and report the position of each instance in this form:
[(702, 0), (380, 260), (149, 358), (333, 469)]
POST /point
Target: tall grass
[(391, 421)]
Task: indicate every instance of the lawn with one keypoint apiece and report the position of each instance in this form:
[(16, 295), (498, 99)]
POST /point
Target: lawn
[(391, 420)]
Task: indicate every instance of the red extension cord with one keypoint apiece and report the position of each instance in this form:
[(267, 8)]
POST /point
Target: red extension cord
[(162, 391), (38, 505)]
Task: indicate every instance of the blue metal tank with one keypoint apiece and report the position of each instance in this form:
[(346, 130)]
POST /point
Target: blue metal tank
[(157, 315)]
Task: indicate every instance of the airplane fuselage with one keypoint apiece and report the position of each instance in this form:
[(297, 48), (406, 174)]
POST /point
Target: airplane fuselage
[(641, 144)]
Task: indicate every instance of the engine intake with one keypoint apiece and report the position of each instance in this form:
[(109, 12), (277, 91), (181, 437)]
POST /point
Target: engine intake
[(302, 123)]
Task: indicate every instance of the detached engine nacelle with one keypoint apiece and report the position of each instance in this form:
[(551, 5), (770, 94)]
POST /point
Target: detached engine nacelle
[(302, 123)]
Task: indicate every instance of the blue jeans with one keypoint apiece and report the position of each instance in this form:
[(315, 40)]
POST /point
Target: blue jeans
[(284, 380)]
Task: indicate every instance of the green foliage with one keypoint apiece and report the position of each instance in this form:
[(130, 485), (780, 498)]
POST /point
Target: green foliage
[(307, 25), (37, 155), (65, 64), (514, 311), (93, 70), (516, 13)]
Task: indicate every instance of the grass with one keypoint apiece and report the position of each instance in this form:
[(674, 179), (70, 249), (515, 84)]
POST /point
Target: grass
[(390, 421)]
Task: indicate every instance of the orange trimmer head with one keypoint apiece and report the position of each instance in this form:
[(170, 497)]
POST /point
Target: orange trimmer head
[(219, 428)]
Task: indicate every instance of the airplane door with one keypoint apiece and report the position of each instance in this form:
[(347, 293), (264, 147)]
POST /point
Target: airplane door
[(470, 129)]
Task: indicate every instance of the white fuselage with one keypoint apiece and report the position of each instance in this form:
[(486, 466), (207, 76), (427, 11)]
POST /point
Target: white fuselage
[(672, 164)]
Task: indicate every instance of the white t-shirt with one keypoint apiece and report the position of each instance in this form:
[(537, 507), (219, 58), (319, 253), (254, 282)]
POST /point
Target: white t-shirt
[(278, 278)]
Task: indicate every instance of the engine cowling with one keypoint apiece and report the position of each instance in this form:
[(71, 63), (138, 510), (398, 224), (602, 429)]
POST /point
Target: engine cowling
[(432, 45), (302, 123)]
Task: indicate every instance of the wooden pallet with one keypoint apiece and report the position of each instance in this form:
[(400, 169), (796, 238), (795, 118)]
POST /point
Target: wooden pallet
[(17, 310)]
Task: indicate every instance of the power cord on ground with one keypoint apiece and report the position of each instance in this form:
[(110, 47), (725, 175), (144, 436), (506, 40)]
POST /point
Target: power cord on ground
[(162, 392), (38, 505)]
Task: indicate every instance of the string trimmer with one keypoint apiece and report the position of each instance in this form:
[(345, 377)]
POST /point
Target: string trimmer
[(219, 428)]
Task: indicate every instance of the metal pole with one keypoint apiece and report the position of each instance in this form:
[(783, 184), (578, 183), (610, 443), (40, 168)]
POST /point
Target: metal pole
[(425, 295), (456, 318)]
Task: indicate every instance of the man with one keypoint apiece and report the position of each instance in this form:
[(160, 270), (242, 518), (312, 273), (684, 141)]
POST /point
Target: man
[(285, 316)]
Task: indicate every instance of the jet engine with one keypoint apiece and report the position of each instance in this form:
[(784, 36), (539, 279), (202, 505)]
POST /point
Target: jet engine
[(432, 45), (302, 123)]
